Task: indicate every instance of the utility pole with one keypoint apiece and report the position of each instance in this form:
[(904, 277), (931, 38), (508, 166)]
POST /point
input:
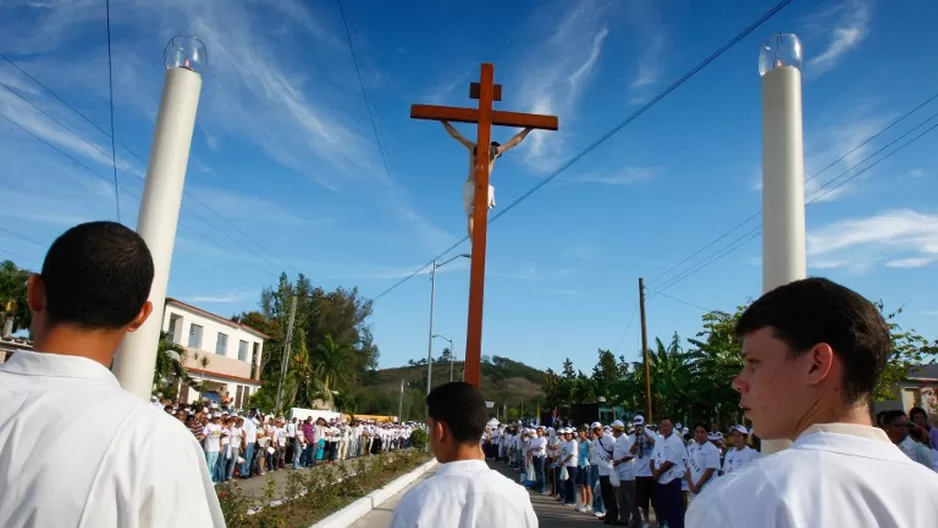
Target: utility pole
[(400, 405), (433, 267), (287, 350), (452, 359), (641, 304)]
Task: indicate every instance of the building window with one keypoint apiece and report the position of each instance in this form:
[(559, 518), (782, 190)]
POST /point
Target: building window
[(238, 395), (221, 346), (172, 328), (243, 350), (195, 336)]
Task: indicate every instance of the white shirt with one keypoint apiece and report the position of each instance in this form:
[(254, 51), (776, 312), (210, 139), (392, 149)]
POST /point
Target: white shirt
[(700, 458), (570, 448), (643, 452), (77, 450), (537, 446), (626, 469), (735, 458), (465, 494), (833, 475), (249, 429), (604, 448), (669, 449), (212, 432)]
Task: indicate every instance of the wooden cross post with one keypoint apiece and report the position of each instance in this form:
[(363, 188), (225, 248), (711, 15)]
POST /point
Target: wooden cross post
[(486, 91)]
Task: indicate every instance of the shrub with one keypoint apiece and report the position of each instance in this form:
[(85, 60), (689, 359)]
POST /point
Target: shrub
[(418, 439)]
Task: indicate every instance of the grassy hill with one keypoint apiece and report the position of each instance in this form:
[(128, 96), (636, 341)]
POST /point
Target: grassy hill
[(504, 381)]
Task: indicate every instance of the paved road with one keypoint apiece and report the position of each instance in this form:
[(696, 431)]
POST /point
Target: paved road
[(550, 513), (380, 517)]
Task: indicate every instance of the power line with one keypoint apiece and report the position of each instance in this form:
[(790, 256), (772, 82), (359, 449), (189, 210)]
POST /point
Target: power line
[(602, 139), (361, 83), (135, 155), (627, 326), (755, 232), (19, 255), (685, 303), (21, 237), (110, 85), (817, 174)]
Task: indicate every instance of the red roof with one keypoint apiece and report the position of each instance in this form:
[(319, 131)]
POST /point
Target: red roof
[(217, 317)]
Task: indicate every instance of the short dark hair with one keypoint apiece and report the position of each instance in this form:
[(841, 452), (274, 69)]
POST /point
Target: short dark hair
[(97, 276), (917, 410), (461, 407), (702, 424), (810, 311), (890, 416)]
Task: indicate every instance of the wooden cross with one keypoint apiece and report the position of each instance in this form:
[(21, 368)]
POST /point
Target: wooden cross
[(486, 92)]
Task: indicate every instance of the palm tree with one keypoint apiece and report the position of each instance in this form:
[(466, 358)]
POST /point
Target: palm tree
[(331, 366), (170, 365)]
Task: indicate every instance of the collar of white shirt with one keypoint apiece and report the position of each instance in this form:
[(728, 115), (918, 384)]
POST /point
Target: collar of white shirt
[(460, 466), (57, 365), (862, 431)]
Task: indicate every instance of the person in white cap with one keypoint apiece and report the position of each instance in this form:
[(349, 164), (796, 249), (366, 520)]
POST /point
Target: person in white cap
[(623, 460), (76, 449), (604, 446), (739, 454), (642, 448), (813, 352)]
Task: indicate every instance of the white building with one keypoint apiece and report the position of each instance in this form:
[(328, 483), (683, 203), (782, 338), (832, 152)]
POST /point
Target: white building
[(223, 353)]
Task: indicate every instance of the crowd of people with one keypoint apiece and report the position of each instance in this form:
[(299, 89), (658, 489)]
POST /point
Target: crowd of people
[(250, 444), (611, 471)]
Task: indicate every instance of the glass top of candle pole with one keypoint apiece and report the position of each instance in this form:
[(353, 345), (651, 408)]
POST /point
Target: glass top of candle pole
[(185, 52), (781, 49)]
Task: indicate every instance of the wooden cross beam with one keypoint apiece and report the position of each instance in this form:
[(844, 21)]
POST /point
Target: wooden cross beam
[(486, 91)]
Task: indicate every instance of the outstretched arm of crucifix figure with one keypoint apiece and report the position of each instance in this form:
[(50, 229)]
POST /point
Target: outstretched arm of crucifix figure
[(515, 141), (456, 135)]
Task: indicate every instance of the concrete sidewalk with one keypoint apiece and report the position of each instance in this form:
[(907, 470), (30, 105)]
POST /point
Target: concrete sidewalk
[(380, 517)]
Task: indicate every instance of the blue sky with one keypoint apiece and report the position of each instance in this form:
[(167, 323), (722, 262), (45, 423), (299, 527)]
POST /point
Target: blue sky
[(284, 151)]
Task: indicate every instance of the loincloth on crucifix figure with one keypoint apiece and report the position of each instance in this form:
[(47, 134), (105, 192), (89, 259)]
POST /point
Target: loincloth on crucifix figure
[(495, 151)]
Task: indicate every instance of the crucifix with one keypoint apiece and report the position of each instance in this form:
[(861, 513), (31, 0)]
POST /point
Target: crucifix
[(486, 91)]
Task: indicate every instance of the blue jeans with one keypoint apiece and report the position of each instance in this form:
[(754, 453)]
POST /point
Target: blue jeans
[(539, 481), (211, 460), (231, 463), (598, 505), (248, 458), (297, 453)]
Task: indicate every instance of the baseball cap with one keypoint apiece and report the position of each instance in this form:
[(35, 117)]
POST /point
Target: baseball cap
[(596, 425), (740, 429), (638, 420), (618, 425)]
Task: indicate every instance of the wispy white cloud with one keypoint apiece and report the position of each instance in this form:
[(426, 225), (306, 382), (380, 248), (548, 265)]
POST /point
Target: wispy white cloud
[(221, 298), (626, 176), (257, 92), (850, 20), (901, 239), (557, 74), (360, 272), (569, 293)]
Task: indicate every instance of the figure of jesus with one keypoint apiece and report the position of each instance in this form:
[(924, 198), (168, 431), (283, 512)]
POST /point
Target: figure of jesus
[(495, 151)]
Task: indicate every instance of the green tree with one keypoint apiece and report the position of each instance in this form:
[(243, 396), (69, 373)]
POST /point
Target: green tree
[(170, 368), (606, 373), (908, 349), (13, 295)]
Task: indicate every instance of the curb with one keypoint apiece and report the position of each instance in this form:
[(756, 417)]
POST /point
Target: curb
[(364, 505)]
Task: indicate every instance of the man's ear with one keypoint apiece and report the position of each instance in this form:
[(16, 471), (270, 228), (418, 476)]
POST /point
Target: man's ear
[(138, 321)]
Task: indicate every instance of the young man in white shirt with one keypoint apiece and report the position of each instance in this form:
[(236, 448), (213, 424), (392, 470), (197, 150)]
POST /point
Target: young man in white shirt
[(703, 461), (624, 463), (119, 461), (667, 470), (813, 352), (464, 492), (604, 446)]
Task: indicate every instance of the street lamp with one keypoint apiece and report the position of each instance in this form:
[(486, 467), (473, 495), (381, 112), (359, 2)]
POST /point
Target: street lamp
[(451, 353), (433, 267), (184, 59)]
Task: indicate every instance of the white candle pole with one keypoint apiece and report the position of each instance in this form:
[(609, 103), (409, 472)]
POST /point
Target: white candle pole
[(184, 59), (783, 218)]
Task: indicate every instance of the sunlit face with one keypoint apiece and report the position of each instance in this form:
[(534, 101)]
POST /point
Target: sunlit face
[(776, 387), (738, 439), (700, 434), (666, 426)]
